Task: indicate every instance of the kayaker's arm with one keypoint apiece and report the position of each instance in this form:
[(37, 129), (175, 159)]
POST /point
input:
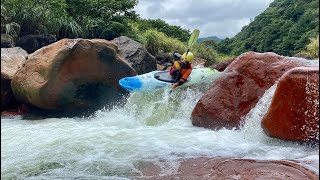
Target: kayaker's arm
[(179, 83), (186, 75), (183, 79)]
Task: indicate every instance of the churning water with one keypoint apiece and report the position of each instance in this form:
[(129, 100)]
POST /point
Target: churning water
[(154, 127)]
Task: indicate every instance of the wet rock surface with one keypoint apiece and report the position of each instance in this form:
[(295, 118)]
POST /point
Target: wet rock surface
[(227, 168), (239, 89), (294, 111)]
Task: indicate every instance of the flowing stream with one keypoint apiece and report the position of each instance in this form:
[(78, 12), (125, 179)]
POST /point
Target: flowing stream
[(153, 127)]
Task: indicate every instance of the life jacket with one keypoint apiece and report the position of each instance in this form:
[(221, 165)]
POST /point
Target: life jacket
[(184, 72)]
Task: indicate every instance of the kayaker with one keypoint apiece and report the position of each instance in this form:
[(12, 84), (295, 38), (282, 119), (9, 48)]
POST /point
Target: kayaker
[(181, 70)]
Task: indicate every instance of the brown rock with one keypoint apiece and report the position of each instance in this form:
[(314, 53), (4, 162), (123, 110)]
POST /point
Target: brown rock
[(198, 62), (229, 168), (12, 59), (135, 54), (294, 110), (161, 68), (238, 90), (223, 65), (20, 110), (147, 168), (72, 75), (163, 58)]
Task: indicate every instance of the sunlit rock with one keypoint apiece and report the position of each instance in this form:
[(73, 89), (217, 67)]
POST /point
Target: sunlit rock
[(72, 75), (238, 90), (12, 59), (294, 110)]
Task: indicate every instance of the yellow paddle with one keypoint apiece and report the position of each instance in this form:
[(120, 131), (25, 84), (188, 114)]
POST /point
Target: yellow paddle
[(192, 40)]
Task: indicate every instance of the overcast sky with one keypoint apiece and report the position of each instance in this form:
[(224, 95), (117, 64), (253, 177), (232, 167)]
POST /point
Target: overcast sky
[(221, 18)]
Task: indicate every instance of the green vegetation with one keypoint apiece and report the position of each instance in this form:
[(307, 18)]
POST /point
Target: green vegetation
[(81, 18), (287, 27), (159, 25), (313, 47), (158, 41), (35, 17), (68, 18), (209, 54), (284, 28), (215, 38), (105, 19)]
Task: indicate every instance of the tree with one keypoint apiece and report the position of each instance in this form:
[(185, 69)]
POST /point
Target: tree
[(161, 26), (284, 28), (103, 18), (38, 16)]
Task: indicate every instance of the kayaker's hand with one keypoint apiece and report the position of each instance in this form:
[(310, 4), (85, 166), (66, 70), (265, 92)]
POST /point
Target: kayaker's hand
[(175, 85)]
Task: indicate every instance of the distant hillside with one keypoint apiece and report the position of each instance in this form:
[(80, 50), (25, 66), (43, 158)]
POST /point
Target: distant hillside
[(215, 38), (285, 28)]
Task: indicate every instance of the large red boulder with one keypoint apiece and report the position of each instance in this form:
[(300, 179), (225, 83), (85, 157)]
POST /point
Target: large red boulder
[(72, 75), (238, 90), (294, 110)]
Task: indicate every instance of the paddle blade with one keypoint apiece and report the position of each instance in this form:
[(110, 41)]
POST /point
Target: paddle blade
[(193, 38)]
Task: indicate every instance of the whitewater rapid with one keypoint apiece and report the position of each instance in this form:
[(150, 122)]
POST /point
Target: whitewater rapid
[(151, 127), (154, 127)]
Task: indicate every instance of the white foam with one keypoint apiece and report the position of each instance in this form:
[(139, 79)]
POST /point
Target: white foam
[(153, 127)]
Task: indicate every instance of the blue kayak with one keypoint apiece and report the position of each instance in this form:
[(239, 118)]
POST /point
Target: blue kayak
[(161, 79)]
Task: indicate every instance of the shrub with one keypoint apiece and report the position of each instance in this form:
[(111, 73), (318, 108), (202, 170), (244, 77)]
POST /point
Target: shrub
[(313, 47), (173, 45), (155, 42), (209, 54)]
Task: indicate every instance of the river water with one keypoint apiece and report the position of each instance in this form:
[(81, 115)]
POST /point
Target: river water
[(154, 127)]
